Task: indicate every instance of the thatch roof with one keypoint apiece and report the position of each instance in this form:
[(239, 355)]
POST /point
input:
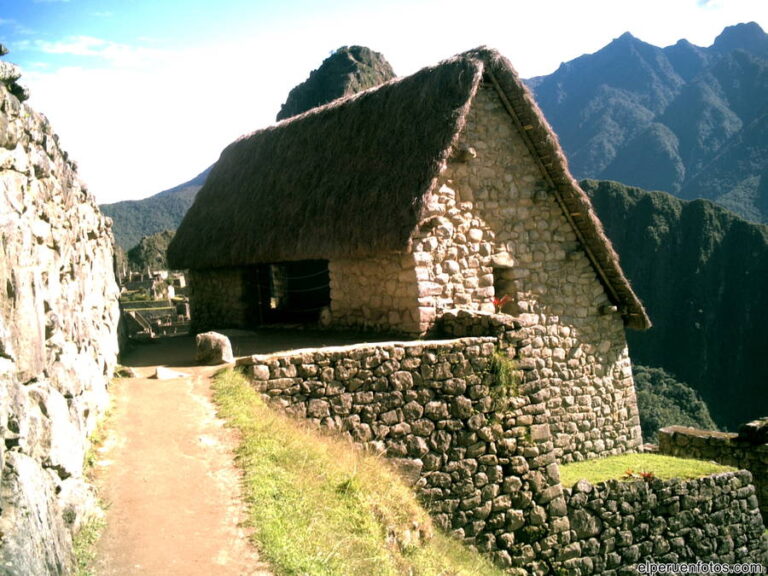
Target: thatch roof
[(349, 179)]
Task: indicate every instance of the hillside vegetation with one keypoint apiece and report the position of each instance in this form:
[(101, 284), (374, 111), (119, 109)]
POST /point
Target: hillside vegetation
[(320, 507), (688, 120), (134, 219), (663, 401), (150, 252), (701, 272)]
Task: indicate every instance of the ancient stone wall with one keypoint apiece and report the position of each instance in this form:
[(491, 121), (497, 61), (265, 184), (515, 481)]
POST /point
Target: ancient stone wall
[(217, 299), (747, 449), (375, 293), (616, 524), (513, 240), (58, 340), (469, 441), (465, 437)]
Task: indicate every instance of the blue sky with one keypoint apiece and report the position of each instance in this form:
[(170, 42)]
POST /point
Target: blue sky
[(146, 93)]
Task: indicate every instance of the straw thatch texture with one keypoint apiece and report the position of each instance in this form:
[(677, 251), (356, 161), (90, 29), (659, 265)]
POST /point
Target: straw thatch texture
[(349, 179), (341, 181)]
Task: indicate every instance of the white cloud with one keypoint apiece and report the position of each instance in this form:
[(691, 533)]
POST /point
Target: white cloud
[(116, 54), (141, 119)]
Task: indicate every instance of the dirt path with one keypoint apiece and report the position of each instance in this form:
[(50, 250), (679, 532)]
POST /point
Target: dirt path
[(166, 474)]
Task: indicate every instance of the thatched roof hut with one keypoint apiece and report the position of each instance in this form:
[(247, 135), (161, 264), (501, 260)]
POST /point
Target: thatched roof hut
[(351, 179)]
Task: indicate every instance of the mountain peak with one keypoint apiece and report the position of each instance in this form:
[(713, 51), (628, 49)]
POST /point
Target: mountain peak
[(348, 70), (748, 36), (626, 38)]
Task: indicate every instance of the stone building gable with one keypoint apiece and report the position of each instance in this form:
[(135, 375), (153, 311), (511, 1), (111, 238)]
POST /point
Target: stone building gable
[(495, 230)]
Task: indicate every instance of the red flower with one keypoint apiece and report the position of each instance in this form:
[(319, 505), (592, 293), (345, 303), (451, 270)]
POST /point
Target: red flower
[(499, 302)]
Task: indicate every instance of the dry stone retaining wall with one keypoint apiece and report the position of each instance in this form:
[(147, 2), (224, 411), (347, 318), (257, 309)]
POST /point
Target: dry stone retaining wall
[(482, 458), (747, 449), (616, 525), (58, 343), (469, 443)]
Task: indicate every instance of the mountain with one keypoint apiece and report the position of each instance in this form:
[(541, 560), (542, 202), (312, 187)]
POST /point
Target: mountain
[(701, 272), (134, 219), (688, 120), (349, 70), (664, 401), (150, 252)]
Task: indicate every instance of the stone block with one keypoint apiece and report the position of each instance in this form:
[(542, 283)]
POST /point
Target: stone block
[(213, 348)]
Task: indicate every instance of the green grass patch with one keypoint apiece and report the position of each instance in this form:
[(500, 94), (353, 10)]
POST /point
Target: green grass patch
[(319, 506), (631, 466), (84, 545), (85, 539)]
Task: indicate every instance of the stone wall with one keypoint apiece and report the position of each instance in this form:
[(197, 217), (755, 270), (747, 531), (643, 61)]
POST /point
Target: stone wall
[(481, 460), (616, 525), (747, 449), (375, 294), (217, 299), (513, 240), (467, 439), (58, 343)]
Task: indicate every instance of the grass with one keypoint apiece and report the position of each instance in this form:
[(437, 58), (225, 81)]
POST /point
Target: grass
[(617, 468), (84, 541), (84, 545), (506, 379), (319, 506)]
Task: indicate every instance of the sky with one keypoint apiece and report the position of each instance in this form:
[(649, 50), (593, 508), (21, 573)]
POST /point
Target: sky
[(145, 94)]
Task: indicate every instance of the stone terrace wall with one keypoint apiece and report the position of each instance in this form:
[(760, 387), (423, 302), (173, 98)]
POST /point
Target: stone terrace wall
[(58, 340), (486, 470), (748, 450), (616, 525), (512, 239)]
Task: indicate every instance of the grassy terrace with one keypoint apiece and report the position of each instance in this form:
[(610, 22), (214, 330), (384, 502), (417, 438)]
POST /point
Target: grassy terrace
[(319, 507), (632, 466)]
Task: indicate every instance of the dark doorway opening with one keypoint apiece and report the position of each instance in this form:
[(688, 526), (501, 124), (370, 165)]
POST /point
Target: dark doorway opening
[(287, 292)]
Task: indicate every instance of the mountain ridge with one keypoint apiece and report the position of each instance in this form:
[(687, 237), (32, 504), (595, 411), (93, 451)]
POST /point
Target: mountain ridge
[(664, 118)]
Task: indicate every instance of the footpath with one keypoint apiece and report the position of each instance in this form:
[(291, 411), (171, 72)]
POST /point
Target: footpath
[(166, 474)]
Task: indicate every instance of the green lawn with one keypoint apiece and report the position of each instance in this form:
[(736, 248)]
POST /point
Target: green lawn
[(319, 506), (628, 466)]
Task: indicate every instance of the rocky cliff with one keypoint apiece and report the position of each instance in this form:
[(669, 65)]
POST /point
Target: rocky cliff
[(349, 70), (58, 344)]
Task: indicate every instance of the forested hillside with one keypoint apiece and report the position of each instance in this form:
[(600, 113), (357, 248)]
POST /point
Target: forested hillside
[(701, 272)]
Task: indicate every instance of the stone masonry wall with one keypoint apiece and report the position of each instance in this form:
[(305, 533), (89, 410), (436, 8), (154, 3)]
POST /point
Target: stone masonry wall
[(376, 293), (488, 472), (747, 449), (496, 230), (469, 443), (616, 525), (58, 343), (216, 299)]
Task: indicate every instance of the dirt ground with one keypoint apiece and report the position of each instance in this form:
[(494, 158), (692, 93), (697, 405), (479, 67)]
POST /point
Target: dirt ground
[(167, 476), (166, 469)]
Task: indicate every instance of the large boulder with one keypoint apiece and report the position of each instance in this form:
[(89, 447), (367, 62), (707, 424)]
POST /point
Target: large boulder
[(213, 348)]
